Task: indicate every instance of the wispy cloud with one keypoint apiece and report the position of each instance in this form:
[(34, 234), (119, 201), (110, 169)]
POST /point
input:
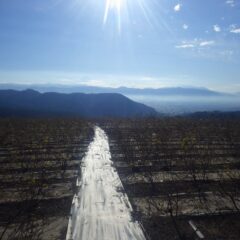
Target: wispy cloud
[(185, 26), (236, 30), (216, 28), (177, 7), (196, 43), (206, 43), (231, 3), (209, 49), (185, 46)]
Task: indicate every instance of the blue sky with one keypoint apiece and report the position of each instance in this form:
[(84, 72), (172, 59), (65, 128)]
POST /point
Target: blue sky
[(135, 43)]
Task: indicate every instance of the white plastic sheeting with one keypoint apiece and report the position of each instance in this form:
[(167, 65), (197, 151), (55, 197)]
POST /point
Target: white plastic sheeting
[(101, 210)]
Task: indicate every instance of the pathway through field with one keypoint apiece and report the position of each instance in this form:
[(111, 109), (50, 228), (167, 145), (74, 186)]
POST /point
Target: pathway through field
[(101, 210)]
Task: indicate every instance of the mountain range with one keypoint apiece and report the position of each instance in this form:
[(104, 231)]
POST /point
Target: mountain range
[(35, 104), (170, 91)]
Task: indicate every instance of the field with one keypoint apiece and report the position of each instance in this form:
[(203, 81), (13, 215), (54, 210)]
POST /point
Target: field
[(40, 161), (182, 175)]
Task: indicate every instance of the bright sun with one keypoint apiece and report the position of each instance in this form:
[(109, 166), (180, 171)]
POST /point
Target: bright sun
[(114, 4), (118, 11)]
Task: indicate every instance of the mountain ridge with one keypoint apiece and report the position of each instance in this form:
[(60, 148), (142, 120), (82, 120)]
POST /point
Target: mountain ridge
[(166, 91), (31, 102)]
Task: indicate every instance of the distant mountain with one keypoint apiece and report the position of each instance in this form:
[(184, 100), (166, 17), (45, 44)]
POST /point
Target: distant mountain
[(172, 91), (34, 104)]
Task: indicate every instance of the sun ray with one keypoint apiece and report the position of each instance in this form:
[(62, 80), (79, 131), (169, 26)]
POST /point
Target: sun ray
[(116, 6), (120, 11), (106, 11)]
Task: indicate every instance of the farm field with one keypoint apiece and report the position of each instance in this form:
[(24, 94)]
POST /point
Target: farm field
[(182, 175), (40, 161)]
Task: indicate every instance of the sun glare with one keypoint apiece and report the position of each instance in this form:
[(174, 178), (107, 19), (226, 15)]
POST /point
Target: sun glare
[(116, 3), (122, 12), (116, 6)]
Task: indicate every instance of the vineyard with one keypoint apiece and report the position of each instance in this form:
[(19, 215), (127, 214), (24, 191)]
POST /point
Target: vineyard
[(182, 175), (40, 161)]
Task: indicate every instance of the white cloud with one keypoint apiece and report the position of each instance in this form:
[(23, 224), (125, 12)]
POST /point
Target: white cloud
[(185, 46), (216, 28), (231, 3), (236, 30), (195, 43), (206, 43), (177, 7), (185, 26)]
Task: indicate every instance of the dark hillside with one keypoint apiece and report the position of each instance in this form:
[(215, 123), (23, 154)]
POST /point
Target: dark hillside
[(33, 103)]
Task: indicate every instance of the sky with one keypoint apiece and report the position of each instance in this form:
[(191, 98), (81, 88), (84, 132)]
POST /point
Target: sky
[(133, 43)]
